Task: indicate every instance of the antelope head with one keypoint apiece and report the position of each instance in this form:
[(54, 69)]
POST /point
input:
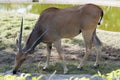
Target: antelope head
[(21, 53), (20, 56)]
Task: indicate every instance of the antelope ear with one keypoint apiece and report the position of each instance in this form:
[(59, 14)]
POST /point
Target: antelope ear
[(17, 45)]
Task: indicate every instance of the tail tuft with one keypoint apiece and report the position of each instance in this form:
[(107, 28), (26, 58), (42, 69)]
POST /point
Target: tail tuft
[(101, 17), (98, 23)]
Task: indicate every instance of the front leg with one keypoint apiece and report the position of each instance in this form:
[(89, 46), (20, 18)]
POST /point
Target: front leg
[(61, 55), (49, 47)]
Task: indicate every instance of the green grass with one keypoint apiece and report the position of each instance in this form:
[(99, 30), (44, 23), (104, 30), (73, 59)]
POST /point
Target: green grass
[(111, 20), (9, 28), (41, 7), (72, 66), (111, 14), (88, 68)]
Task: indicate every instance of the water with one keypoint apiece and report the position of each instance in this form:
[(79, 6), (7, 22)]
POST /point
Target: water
[(110, 22), (17, 8)]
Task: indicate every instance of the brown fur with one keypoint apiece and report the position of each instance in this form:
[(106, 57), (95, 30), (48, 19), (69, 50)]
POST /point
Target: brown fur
[(65, 23)]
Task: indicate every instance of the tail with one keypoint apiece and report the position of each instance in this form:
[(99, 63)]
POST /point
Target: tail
[(101, 17), (96, 40)]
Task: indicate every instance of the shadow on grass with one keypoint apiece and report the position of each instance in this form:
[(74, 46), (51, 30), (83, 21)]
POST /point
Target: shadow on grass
[(32, 65)]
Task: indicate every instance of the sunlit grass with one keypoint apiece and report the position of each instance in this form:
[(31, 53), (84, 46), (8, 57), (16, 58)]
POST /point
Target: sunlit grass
[(111, 20)]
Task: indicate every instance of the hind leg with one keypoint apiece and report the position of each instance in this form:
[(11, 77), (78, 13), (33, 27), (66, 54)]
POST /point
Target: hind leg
[(87, 35), (98, 46), (98, 56)]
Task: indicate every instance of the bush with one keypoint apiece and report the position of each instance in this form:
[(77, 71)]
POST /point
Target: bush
[(114, 75), (21, 77)]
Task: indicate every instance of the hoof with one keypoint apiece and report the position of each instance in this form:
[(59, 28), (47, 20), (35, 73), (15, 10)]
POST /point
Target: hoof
[(44, 69), (66, 72), (19, 70), (81, 68), (14, 72), (96, 66)]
